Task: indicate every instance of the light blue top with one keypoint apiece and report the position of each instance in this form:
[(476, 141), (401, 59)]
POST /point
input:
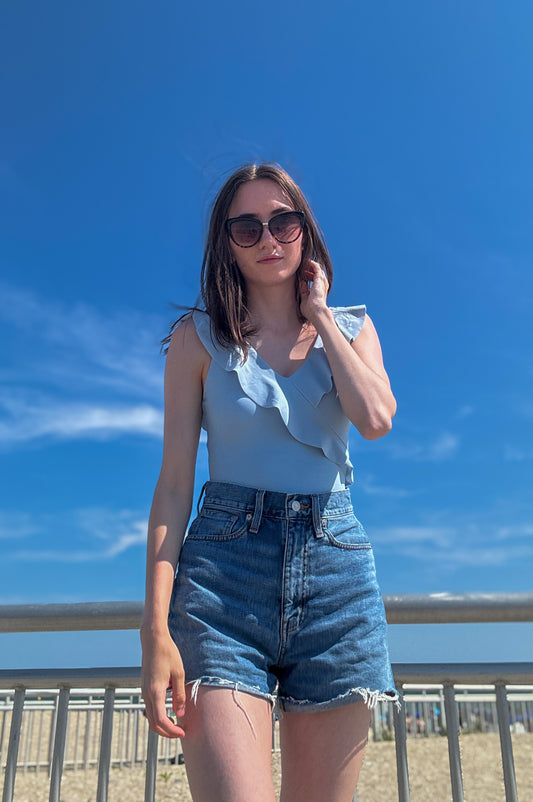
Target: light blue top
[(272, 432)]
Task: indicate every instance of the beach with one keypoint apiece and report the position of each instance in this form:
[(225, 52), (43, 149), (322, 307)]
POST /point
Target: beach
[(428, 774)]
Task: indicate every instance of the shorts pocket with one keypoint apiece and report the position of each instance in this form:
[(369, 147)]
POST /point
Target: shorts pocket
[(219, 524), (345, 532)]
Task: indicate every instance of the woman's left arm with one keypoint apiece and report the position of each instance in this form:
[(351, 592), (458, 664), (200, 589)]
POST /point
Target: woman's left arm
[(357, 367)]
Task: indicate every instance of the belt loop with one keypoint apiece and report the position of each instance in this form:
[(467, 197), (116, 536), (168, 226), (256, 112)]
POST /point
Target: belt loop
[(317, 518), (202, 491), (258, 511)]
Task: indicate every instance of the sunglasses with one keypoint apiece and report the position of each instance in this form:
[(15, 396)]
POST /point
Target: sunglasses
[(247, 231)]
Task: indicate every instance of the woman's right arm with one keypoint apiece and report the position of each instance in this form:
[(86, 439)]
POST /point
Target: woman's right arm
[(186, 368)]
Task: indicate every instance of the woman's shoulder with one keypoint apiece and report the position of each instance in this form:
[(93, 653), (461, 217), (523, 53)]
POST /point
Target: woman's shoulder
[(186, 342)]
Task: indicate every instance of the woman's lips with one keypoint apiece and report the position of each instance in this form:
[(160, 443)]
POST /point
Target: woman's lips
[(269, 259)]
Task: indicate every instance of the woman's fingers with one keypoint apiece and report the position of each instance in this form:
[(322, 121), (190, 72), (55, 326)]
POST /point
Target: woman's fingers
[(313, 288), (178, 694), (162, 672), (158, 717)]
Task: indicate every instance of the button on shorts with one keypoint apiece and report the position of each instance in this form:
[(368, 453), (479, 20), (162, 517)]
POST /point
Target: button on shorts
[(276, 595)]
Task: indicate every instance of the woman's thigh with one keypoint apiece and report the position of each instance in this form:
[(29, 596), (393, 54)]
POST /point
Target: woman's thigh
[(322, 753), (227, 746)]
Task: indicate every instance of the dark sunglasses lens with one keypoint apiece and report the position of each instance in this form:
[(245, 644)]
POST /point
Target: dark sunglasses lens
[(286, 227), (245, 232)]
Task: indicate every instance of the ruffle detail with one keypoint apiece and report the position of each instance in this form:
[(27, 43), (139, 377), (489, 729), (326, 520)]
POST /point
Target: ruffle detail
[(298, 397), (349, 319)]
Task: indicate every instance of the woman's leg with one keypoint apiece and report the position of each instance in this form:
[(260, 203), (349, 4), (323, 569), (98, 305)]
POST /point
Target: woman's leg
[(227, 746), (322, 753)]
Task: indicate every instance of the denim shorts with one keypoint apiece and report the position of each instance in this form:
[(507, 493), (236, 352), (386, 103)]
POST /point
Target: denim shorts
[(276, 595)]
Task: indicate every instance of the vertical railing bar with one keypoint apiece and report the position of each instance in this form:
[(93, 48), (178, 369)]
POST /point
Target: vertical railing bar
[(151, 766), (120, 738), (135, 744), (133, 737), (2, 738), (506, 744), (494, 715), (523, 710), (12, 750), (104, 759), (442, 708), (373, 719), (87, 740), (425, 713), (59, 744), (468, 714), (127, 735), (67, 731), (452, 720), (29, 732), (168, 744), (76, 739), (95, 743), (400, 737), (39, 740), (513, 712), (51, 739)]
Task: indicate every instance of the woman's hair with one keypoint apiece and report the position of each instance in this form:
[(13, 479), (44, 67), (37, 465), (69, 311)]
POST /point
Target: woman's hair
[(223, 289)]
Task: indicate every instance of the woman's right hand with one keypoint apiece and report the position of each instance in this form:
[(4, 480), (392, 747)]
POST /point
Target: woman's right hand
[(162, 669)]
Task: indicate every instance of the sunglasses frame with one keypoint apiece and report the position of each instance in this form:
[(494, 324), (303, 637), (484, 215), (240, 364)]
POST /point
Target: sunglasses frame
[(299, 214)]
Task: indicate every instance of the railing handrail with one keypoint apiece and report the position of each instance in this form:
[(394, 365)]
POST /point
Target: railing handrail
[(129, 676), (432, 608), (458, 608)]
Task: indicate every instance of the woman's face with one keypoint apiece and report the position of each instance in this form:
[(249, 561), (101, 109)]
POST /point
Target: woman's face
[(268, 262)]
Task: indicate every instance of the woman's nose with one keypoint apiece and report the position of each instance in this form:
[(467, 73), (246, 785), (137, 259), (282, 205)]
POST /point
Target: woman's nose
[(270, 237)]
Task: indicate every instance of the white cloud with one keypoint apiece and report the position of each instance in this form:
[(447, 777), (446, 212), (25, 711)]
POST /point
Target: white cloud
[(367, 483), (461, 557), (74, 372), (518, 531), (402, 536), (461, 544), (442, 447), (126, 541), (26, 422), (105, 534)]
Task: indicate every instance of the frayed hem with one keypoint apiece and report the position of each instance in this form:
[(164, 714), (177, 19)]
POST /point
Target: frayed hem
[(220, 682), (235, 688), (370, 698)]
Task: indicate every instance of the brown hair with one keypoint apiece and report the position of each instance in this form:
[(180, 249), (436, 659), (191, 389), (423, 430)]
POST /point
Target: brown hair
[(223, 289)]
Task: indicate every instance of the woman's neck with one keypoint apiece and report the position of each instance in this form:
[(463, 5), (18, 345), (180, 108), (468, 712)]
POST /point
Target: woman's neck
[(273, 308)]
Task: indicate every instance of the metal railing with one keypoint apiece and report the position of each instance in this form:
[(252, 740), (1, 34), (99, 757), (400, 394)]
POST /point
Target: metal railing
[(438, 608)]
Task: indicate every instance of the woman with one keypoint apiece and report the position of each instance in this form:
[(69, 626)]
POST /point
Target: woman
[(275, 595)]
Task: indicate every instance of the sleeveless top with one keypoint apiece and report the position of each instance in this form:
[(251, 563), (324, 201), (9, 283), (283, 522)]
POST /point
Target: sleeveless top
[(271, 432)]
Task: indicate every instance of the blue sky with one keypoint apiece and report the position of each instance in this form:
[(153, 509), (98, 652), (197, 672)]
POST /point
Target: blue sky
[(409, 126)]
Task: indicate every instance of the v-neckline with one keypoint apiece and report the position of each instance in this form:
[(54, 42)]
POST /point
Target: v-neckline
[(314, 345)]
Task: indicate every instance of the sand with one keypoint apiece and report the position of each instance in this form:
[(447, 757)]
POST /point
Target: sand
[(428, 772)]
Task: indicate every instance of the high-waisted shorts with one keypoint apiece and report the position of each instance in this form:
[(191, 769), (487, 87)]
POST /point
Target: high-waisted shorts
[(276, 595)]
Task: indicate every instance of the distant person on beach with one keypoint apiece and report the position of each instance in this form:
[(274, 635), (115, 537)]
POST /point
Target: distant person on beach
[(275, 599)]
